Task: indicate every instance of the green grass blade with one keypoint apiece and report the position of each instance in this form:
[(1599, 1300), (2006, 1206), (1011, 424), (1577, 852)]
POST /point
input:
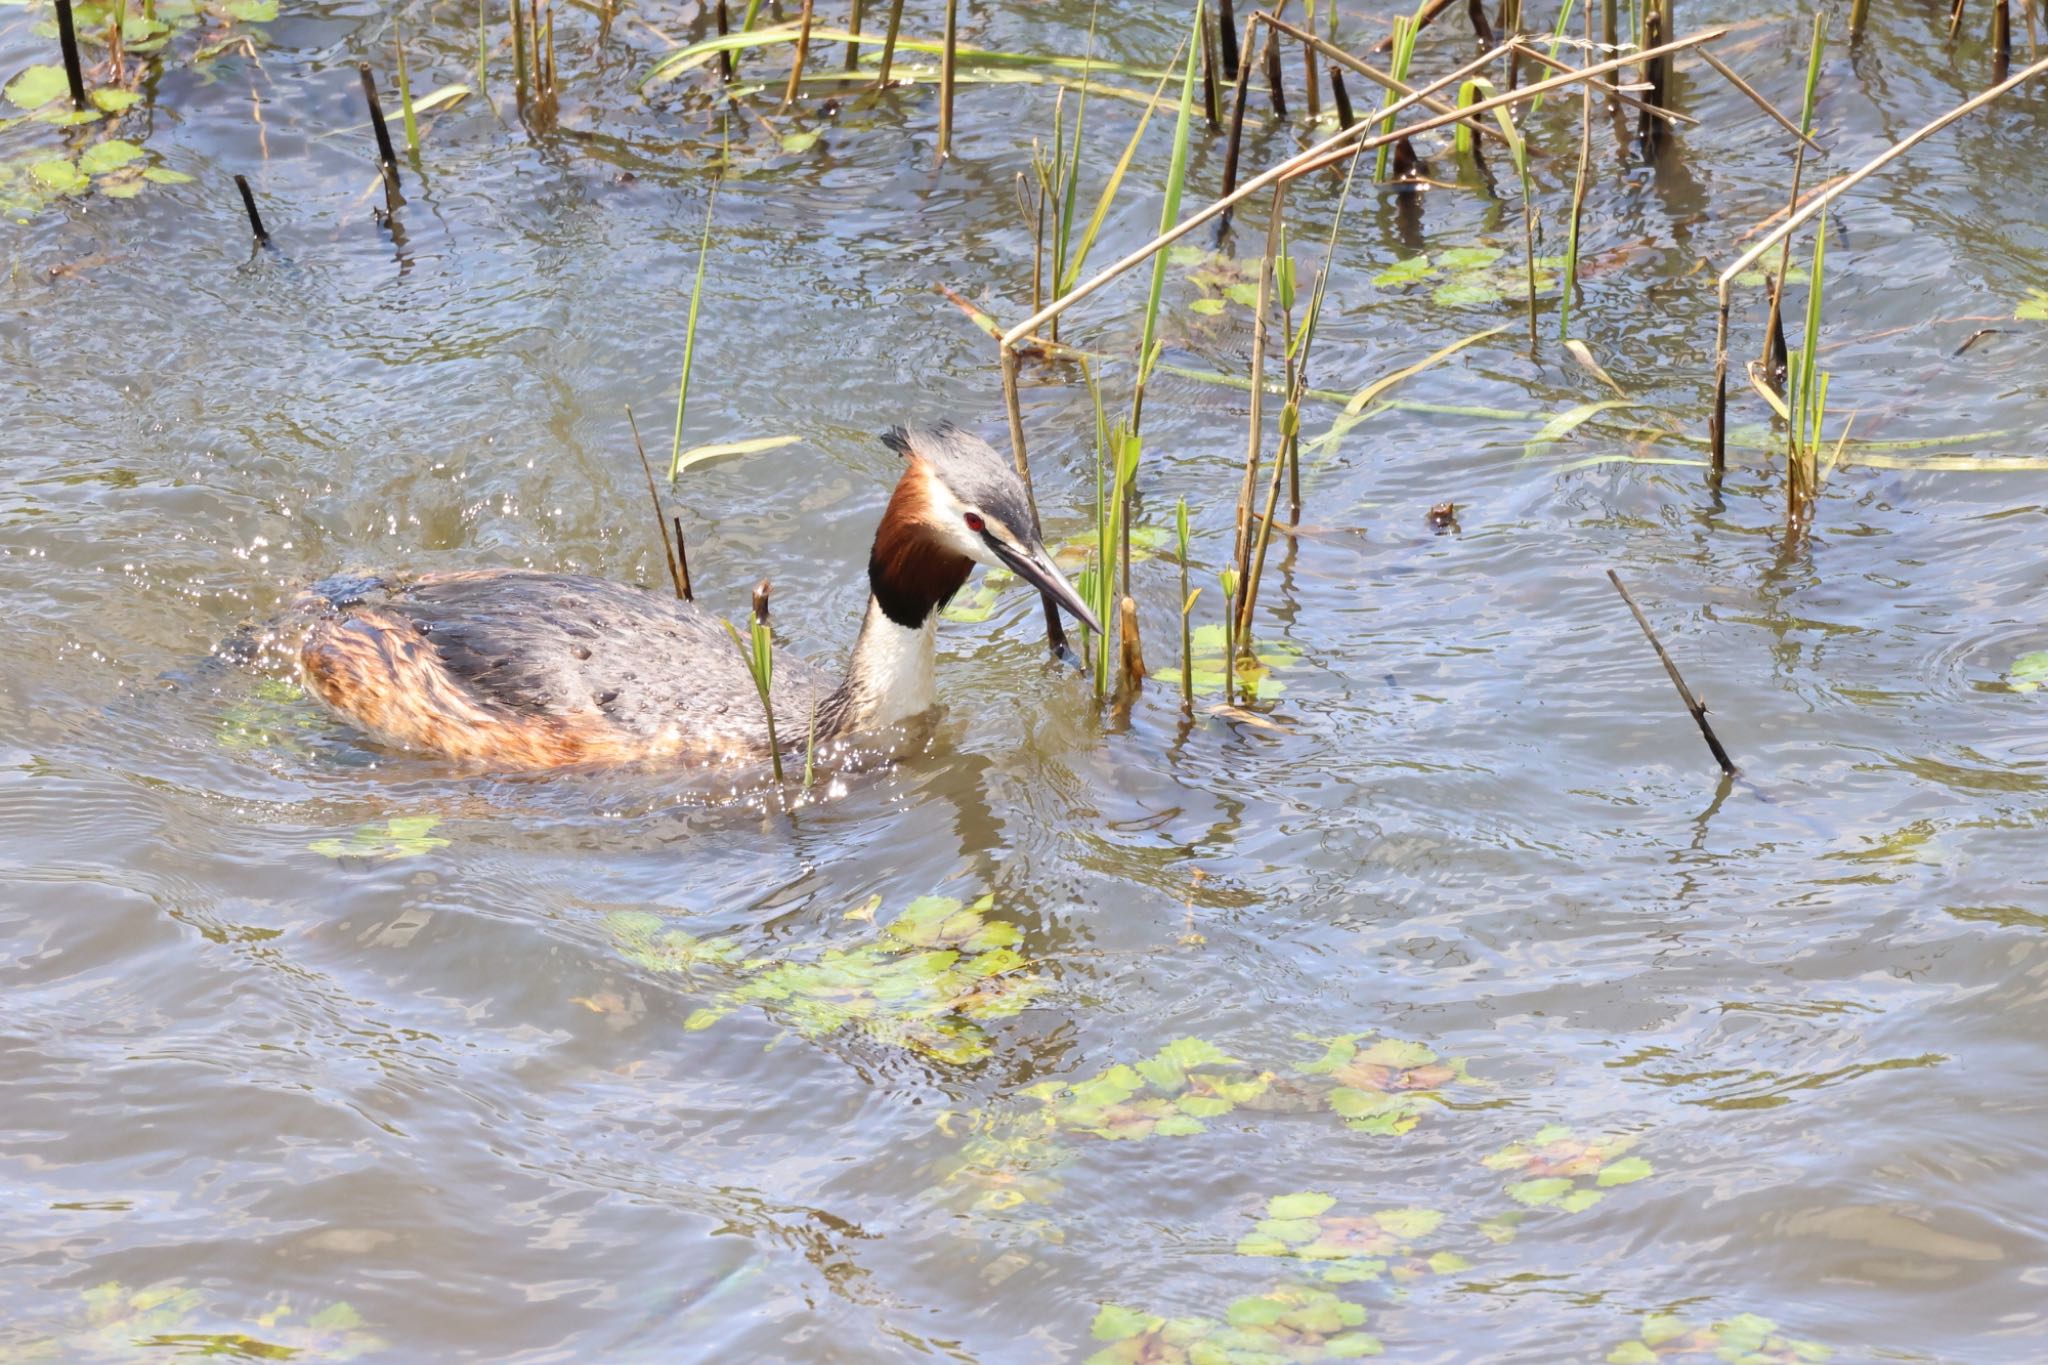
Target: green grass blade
[(675, 460), (1176, 180)]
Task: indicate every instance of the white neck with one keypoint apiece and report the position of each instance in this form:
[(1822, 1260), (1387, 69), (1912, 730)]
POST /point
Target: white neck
[(890, 677)]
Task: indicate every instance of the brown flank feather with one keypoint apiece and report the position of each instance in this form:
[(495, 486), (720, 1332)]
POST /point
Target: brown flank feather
[(375, 669)]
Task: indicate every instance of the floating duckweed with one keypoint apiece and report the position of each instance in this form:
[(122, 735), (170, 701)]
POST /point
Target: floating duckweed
[(2034, 307), (1289, 1323), (1386, 1086), (1255, 672), (1560, 1170), (114, 1321), (400, 837), (1167, 1095), (1746, 1339), (922, 984), (1470, 276), (1356, 1247)]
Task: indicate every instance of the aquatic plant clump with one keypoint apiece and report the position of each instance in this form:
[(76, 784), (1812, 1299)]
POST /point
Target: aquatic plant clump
[(925, 983), (1387, 1085), (1559, 1170), (1286, 1324), (1745, 1339), (1309, 1226)]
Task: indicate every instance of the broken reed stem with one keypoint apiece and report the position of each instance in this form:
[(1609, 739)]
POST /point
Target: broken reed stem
[(2001, 39), (803, 52), (889, 44), (1341, 98), (1274, 80), (1210, 108), (724, 55), (668, 549), (1542, 58), (386, 156), (853, 43), (1339, 57), (947, 60), (1226, 34), (1055, 633), (1318, 154), (67, 40), (1859, 10), (519, 54), (1692, 703), (249, 207), (1235, 145), (1818, 204), (1132, 655), (1746, 88)]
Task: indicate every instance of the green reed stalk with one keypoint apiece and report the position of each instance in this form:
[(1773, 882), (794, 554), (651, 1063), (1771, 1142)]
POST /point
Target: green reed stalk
[(1187, 605), (1808, 405), (1405, 32), (412, 123), (1094, 582), (757, 652), (1564, 16), (810, 751), (1169, 213), (1773, 326), (947, 61), (1571, 251), (675, 459), (483, 48)]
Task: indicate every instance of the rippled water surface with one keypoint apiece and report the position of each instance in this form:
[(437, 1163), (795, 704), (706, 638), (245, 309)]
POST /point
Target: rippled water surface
[(1453, 946)]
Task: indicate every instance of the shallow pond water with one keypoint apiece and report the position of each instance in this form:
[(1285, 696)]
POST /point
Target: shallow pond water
[(1444, 996)]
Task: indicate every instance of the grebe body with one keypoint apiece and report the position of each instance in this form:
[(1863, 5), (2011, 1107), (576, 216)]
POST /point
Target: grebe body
[(521, 669)]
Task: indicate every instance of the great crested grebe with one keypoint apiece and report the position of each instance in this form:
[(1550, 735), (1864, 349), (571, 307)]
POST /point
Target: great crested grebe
[(518, 669)]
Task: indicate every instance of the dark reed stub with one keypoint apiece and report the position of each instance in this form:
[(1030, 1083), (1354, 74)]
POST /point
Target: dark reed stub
[(249, 207), (67, 38)]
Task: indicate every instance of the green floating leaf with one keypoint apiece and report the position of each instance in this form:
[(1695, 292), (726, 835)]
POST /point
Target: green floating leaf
[(1404, 272), (796, 144), (113, 99), (109, 155), (1308, 1204), (1469, 257), (164, 176), (58, 176), (1538, 1193), (2029, 672), (1208, 308), (252, 11), (1114, 1322), (2034, 307), (1468, 291), (37, 86), (1626, 1171)]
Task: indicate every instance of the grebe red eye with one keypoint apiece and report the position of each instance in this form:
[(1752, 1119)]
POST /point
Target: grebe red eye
[(974, 522)]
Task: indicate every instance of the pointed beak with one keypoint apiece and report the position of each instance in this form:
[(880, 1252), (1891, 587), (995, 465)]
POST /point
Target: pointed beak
[(1036, 568)]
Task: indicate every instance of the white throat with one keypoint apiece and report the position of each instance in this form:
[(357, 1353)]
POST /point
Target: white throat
[(890, 678)]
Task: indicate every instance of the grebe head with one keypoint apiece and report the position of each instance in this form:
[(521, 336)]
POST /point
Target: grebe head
[(959, 503)]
